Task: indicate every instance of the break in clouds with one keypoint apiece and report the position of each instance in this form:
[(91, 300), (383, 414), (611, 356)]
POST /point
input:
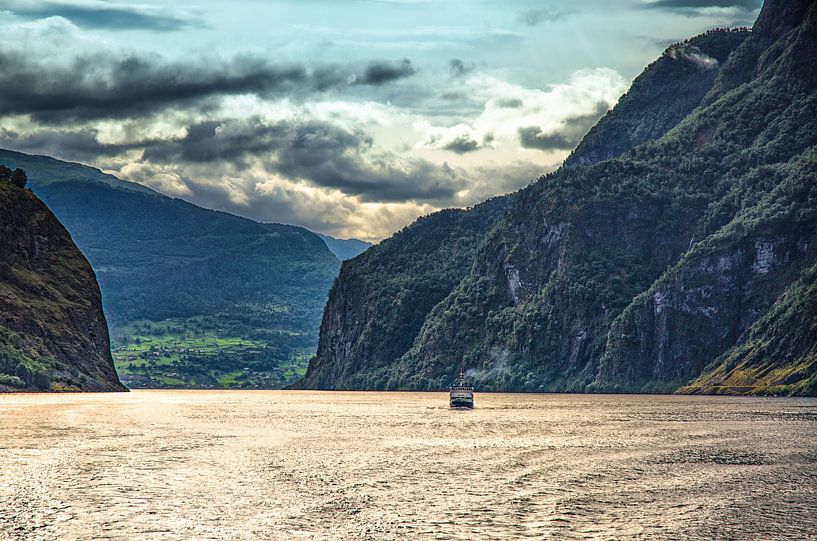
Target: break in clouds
[(100, 14), (350, 144), (745, 5)]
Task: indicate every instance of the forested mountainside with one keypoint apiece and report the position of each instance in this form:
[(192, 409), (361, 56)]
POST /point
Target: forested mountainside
[(378, 304), (666, 91), (686, 263), (53, 334), (195, 297)]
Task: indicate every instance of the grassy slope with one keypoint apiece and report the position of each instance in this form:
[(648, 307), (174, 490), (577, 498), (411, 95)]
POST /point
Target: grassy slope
[(778, 354)]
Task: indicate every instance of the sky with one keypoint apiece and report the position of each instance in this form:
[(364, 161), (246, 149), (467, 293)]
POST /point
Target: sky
[(351, 118)]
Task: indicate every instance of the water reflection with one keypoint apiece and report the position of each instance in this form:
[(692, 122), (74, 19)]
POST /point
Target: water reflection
[(292, 465)]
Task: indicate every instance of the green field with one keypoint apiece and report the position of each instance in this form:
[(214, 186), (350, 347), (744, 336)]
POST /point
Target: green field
[(179, 353)]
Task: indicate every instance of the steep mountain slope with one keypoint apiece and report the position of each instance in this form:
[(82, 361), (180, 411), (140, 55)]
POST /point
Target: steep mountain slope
[(778, 353), (642, 272), (195, 297), (53, 333), (668, 90), (708, 308), (380, 300), (563, 276), (364, 333)]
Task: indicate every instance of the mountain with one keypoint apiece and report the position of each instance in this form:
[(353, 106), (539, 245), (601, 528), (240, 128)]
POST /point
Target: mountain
[(47, 170), (53, 334), (195, 297), (370, 321), (345, 248), (378, 304), (666, 91), (673, 251)]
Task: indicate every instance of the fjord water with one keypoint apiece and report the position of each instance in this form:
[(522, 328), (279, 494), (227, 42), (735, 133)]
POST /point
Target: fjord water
[(311, 465)]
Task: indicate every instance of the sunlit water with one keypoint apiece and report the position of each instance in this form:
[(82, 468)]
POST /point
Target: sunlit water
[(299, 465)]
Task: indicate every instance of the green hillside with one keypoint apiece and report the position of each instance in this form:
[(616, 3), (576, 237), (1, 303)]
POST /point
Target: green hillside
[(172, 273), (666, 91)]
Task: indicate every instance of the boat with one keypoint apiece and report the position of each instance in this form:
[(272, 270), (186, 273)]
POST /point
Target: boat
[(461, 394)]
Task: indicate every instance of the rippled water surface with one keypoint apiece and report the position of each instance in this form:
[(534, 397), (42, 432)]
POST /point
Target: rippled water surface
[(300, 465)]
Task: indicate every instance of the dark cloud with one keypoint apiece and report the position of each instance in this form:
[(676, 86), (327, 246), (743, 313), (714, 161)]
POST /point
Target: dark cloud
[(73, 145), (106, 86), (462, 145), (236, 141), (458, 68), (453, 96), (331, 157), (533, 137), (104, 15), (324, 78), (220, 141), (132, 85), (692, 5), (567, 136), (533, 17), (382, 72), (510, 103), (320, 153)]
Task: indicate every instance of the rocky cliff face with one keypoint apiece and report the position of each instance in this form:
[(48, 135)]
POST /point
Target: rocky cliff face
[(53, 334), (648, 271), (700, 310), (777, 355)]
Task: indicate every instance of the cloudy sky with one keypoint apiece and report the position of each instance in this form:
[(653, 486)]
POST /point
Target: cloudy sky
[(348, 117)]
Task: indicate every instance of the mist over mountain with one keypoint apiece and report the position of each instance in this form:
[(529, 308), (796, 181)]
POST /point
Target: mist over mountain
[(674, 251)]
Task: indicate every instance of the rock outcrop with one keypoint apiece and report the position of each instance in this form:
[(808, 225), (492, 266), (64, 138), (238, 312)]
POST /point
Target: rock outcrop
[(53, 333)]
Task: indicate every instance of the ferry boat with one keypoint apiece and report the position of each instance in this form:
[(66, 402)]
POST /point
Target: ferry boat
[(460, 394)]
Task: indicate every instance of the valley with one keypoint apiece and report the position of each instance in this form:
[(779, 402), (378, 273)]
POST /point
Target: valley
[(163, 263), (186, 353)]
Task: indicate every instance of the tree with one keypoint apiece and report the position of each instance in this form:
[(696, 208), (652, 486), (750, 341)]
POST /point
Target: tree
[(19, 178), (24, 373), (42, 381)]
